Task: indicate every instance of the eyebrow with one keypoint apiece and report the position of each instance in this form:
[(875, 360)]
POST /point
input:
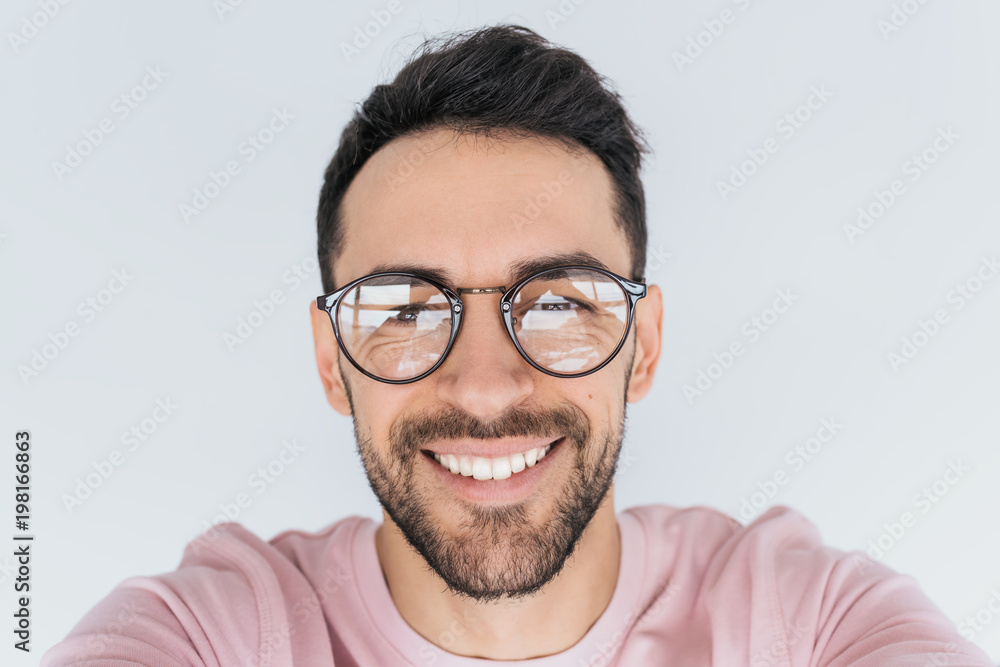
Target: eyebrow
[(522, 268)]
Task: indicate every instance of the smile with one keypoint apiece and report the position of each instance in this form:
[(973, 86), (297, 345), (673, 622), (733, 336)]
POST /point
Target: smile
[(500, 467)]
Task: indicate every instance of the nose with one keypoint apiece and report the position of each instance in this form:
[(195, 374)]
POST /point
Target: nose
[(483, 375)]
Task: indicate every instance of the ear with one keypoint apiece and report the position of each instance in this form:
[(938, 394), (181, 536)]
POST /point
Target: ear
[(648, 323), (328, 359)]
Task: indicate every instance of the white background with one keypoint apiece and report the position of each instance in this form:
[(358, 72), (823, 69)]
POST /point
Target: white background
[(719, 262)]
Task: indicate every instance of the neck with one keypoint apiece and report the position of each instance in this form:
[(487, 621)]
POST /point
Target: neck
[(550, 621)]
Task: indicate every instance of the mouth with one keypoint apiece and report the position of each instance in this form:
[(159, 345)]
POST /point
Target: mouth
[(495, 468)]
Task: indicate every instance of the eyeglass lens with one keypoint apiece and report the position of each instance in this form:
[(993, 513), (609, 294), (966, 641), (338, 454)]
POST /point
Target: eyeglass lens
[(567, 321)]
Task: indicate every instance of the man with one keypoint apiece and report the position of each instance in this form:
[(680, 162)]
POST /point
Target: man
[(482, 238)]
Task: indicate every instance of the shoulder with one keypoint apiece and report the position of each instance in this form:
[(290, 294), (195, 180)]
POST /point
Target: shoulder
[(777, 583), (717, 535), (233, 596), (283, 572), (230, 547), (781, 549)]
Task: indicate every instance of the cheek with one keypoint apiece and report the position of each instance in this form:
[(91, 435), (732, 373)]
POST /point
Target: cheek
[(378, 406), (596, 396), (607, 386)]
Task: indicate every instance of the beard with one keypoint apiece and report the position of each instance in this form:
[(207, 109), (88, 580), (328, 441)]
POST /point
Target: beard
[(497, 552)]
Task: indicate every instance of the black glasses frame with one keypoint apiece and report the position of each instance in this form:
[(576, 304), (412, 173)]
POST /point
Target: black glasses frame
[(330, 302)]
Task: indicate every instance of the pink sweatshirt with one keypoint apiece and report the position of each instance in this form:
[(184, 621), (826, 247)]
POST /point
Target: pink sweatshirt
[(694, 588)]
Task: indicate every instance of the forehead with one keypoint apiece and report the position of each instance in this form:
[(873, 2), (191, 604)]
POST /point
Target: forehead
[(472, 209)]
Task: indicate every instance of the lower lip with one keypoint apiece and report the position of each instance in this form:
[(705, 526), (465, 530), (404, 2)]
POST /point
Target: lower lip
[(493, 491)]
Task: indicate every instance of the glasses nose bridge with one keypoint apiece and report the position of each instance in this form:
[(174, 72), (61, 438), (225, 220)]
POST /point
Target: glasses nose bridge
[(501, 290), (459, 291), (460, 308), (481, 290)]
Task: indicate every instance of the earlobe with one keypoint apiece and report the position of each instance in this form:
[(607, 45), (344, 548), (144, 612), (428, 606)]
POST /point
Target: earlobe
[(648, 323), (328, 359)]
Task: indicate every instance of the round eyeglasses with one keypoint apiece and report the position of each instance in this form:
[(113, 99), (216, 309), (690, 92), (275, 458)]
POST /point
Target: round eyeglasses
[(566, 321)]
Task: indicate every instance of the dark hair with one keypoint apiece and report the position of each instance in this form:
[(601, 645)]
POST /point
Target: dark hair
[(498, 79)]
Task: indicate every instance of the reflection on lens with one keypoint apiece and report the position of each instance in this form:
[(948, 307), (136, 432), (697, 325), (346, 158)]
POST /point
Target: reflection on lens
[(570, 320), (395, 327)]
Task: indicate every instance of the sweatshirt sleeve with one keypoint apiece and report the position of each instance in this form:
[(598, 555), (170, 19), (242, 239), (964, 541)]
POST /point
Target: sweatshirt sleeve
[(828, 608), (230, 602), (883, 618), (134, 625)]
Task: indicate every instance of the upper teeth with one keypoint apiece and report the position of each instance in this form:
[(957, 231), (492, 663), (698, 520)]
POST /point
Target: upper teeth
[(500, 467)]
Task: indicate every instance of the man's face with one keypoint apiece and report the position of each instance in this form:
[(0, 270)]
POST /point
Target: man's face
[(441, 203)]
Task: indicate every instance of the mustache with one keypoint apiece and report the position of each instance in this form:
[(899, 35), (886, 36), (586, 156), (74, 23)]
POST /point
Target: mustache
[(409, 434)]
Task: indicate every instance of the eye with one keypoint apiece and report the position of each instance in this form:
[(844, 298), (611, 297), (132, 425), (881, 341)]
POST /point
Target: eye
[(563, 305), (408, 314), (556, 306)]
